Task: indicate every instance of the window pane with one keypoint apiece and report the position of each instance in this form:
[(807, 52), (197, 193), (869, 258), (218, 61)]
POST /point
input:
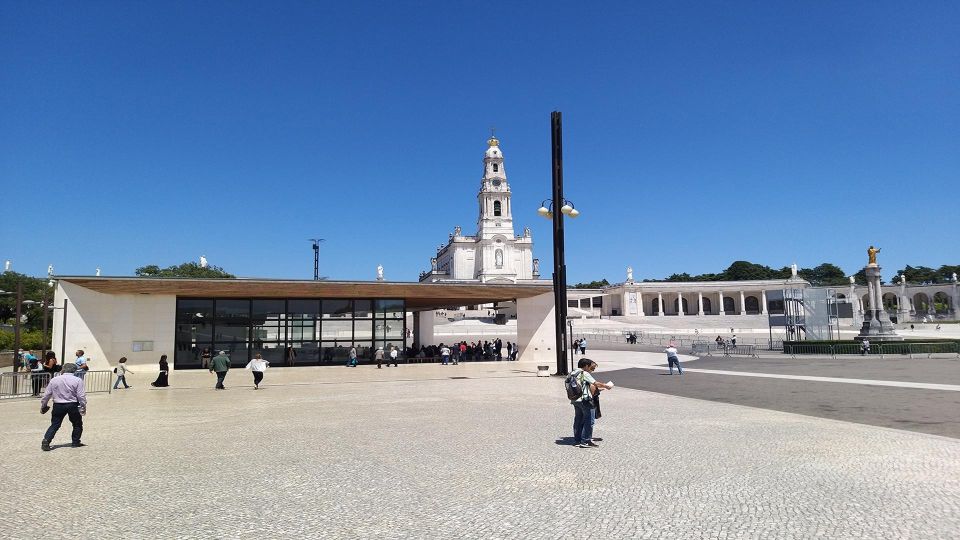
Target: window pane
[(387, 329), (190, 310), (335, 329), (268, 311), (337, 308), (363, 329), (271, 352), (237, 352), (304, 308), (390, 308), (362, 309), (305, 354), (232, 334), (234, 312), (187, 357), (332, 353)]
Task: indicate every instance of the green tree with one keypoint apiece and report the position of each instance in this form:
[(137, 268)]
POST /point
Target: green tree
[(33, 289), (824, 275), (744, 270), (185, 270), (592, 284)]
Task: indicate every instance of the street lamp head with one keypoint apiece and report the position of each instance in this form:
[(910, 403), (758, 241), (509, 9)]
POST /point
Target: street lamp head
[(566, 209), (544, 211), (574, 212)]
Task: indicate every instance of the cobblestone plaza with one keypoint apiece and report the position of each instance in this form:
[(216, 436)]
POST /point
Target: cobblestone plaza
[(468, 451)]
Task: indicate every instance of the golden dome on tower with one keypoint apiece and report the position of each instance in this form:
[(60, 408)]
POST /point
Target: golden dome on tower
[(492, 141)]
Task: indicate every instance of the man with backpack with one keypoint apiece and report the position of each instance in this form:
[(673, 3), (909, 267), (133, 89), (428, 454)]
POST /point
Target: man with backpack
[(581, 390)]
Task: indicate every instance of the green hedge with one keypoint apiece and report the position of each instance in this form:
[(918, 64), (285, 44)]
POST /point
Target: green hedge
[(30, 341)]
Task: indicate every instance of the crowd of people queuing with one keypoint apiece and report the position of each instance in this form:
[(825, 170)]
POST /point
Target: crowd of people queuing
[(466, 351)]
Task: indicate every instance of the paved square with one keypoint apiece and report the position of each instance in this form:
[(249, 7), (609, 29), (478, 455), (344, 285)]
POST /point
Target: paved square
[(418, 452)]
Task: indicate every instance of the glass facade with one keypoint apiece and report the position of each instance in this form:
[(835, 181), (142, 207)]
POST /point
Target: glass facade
[(287, 332)]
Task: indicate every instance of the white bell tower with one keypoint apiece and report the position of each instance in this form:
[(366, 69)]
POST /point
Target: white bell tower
[(495, 258)]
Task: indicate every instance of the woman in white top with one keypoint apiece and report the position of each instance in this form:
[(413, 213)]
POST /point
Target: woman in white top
[(258, 365)]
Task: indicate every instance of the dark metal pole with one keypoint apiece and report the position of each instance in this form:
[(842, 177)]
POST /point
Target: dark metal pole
[(559, 265), (16, 330), (316, 261), (63, 334), (43, 338)]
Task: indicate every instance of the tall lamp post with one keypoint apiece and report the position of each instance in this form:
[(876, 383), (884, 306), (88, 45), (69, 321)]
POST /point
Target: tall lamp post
[(547, 210)]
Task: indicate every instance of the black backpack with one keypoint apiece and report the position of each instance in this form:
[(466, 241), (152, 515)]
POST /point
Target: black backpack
[(573, 386)]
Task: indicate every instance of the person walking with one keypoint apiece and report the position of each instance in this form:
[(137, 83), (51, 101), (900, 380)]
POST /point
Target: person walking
[(583, 406), (121, 371), (164, 371), (69, 397), (733, 340), (463, 350), (673, 359), (352, 362), (444, 354), (290, 355), (220, 364), (865, 347), (205, 358), (378, 356), (394, 353), (258, 365), (583, 346)]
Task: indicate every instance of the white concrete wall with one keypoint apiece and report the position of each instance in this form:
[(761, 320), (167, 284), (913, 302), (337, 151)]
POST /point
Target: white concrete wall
[(425, 334), (105, 326), (536, 329)]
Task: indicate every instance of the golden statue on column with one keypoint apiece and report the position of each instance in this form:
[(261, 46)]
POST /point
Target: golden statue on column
[(872, 254)]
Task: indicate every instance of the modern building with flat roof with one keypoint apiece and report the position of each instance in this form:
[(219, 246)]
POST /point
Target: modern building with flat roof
[(310, 322)]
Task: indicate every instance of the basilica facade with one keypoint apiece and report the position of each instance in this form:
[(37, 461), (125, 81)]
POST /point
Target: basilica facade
[(495, 254)]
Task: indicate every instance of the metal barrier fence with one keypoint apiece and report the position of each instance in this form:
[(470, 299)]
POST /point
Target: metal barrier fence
[(29, 384), (882, 349), (22, 384)]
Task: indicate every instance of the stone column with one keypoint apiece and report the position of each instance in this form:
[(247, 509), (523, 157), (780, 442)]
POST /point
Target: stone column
[(720, 296), (680, 310), (640, 303), (700, 303), (956, 301), (763, 302), (660, 303), (930, 309), (743, 308)]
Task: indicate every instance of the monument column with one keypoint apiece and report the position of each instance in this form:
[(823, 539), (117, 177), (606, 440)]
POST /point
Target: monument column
[(956, 299), (763, 301), (876, 322), (660, 304), (720, 295), (700, 303), (930, 309), (680, 310), (903, 303), (640, 303), (743, 308)]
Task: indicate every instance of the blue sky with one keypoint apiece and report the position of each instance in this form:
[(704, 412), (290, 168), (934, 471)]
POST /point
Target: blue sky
[(695, 134)]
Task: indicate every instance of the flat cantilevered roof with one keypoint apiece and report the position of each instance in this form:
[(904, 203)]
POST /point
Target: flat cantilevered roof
[(418, 296)]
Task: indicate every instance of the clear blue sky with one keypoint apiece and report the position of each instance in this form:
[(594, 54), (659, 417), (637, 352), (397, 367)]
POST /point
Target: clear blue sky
[(695, 134)]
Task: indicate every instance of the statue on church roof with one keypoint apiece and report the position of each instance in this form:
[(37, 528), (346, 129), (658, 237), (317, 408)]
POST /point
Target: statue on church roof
[(456, 230), (379, 272), (629, 273), (526, 232)]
